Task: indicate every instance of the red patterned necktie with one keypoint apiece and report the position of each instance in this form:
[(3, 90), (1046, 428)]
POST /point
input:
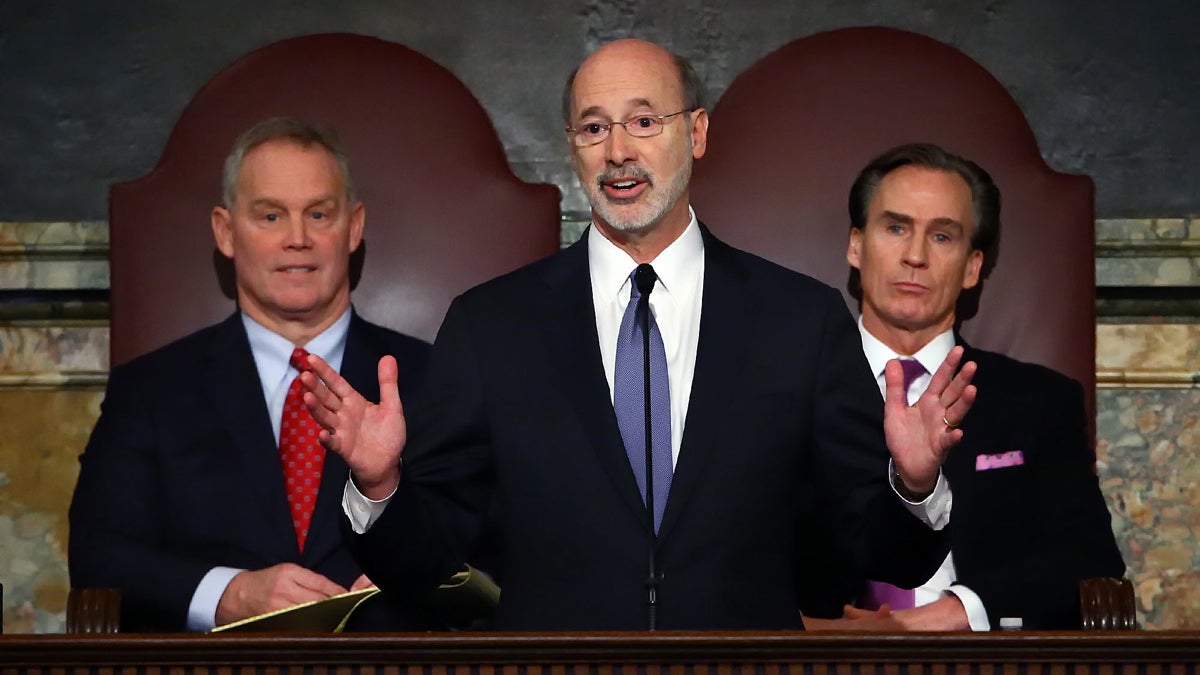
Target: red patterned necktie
[(302, 456)]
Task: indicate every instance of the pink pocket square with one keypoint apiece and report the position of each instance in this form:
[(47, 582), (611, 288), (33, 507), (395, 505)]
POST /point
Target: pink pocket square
[(999, 461)]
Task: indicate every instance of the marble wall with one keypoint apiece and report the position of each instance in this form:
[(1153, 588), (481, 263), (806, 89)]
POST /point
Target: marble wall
[(54, 357)]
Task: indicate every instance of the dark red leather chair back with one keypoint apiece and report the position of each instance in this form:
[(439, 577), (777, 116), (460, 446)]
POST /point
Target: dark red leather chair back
[(791, 133), (444, 211)]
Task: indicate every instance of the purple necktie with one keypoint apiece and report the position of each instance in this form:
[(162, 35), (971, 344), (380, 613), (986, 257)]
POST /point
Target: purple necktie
[(879, 593), (629, 402)]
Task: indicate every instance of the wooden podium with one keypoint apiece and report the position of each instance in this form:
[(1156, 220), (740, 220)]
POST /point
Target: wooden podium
[(666, 653)]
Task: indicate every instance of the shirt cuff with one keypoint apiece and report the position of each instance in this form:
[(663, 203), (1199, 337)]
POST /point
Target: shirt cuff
[(976, 614), (202, 612), (361, 510), (934, 511)]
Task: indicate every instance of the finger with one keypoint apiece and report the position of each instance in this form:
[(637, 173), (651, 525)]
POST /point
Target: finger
[(893, 377), (316, 583), (852, 612), (322, 396), (332, 379), (323, 414), (330, 441), (957, 385), (945, 372), (362, 582), (389, 389), (957, 412), (948, 440)]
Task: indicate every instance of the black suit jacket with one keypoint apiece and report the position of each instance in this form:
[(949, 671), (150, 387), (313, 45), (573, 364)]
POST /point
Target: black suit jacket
[(1023, 535), (182, 473), (518, 405)]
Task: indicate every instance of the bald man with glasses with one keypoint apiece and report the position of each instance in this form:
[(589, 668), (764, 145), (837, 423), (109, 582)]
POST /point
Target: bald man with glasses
[(541, 381)]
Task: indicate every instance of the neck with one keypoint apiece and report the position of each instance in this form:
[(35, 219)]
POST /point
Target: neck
[(904, 341), (299, 329), (646, 244)]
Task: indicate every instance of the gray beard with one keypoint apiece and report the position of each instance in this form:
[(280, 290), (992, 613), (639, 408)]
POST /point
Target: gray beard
[(657, 203)]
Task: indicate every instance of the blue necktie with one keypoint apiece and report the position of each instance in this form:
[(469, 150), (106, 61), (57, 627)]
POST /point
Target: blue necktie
[(629, 401)]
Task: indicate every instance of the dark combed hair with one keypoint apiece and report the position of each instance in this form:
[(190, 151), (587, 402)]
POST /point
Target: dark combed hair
[(985, 197), (693, 88), (289, 129)]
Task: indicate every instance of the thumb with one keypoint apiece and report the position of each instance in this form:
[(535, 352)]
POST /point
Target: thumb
[(389, 390)]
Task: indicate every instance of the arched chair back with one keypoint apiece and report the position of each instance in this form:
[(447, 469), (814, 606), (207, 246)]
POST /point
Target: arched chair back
[(791, 133), (444, 210)]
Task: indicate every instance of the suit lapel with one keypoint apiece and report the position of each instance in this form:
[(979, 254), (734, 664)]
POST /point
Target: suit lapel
[(961, 460), (231, 382), (574, 349), (719, 359)]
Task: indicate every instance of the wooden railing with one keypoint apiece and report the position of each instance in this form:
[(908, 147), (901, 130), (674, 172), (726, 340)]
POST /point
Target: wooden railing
[(668, 653)]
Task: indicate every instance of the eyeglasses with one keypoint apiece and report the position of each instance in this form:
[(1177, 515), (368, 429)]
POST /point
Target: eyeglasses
[(639, 126)]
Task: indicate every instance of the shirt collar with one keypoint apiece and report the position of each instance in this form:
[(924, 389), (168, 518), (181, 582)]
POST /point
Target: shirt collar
[(930, 356), (610, 266), (273, 352)]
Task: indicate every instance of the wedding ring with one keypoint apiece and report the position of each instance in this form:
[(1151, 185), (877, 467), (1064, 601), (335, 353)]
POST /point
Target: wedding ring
[(949, 426)]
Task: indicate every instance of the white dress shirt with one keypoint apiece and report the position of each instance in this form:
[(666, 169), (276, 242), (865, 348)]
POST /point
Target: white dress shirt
[(675, 303), (272, 358), (931, 357)]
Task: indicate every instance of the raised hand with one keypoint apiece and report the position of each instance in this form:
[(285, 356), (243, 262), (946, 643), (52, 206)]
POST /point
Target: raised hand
[(251, 593), (368, 436), (919, 436)]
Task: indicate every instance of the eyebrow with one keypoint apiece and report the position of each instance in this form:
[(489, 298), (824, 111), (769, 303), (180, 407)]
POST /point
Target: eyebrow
[(908, 220), (276, 204), (595, 109)]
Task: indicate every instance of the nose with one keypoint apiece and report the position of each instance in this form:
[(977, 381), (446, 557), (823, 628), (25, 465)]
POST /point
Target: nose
[(619, 147), (915, 253), (296, 236)]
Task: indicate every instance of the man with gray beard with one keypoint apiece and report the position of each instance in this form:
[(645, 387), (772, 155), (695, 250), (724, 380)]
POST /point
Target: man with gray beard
[(633, 495)]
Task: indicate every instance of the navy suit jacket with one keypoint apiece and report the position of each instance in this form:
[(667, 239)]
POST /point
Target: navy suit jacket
[(1025, 534), (518, 408), (182, 473)]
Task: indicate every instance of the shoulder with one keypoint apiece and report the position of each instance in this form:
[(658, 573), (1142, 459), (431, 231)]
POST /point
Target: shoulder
[(776, 286), (1034, 380), (388, 341), (184, 354), (527, 286)]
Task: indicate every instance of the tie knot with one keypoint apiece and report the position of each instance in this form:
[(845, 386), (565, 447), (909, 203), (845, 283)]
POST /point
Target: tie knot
[(299, 360), (641, 281), (912, 370)]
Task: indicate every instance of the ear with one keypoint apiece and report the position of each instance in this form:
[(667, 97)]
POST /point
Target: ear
[(358, 218), (222, 227), (854, 248), (974, 264), (699, 132)]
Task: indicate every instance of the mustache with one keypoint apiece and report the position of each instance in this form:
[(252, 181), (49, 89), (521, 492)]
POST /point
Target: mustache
[(623, 172)]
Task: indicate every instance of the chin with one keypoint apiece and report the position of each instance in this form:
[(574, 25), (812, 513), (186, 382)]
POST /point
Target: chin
[(630, 223)]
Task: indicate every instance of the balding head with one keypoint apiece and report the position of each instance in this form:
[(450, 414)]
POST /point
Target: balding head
[(632, 117), (686, 85)]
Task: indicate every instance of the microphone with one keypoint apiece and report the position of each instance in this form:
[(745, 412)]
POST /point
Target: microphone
[(645, 277)]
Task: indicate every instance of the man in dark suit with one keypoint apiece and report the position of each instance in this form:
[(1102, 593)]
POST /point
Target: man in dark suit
[(529, 397), (1029, 518), (182, 502)]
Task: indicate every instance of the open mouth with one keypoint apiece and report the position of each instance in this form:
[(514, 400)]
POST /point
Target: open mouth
[(624, 188)]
